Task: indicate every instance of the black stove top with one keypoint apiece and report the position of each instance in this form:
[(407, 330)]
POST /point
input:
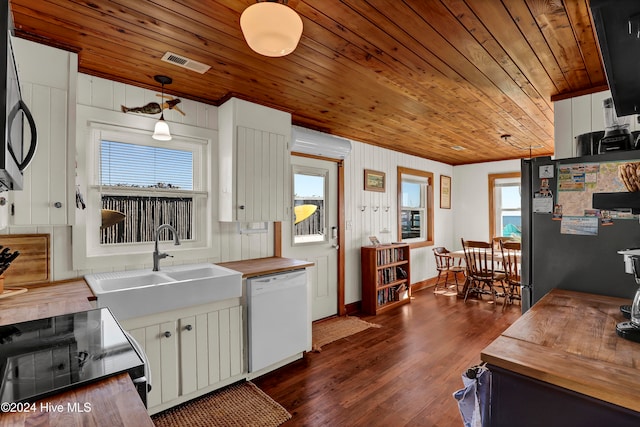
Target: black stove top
[(46, 356)]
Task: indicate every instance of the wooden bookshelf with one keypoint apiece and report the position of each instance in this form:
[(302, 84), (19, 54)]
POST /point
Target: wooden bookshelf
[(386, 277)]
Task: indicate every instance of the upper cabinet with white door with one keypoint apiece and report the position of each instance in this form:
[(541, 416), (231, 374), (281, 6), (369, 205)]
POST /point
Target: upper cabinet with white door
[(254, 162), (48, 81)]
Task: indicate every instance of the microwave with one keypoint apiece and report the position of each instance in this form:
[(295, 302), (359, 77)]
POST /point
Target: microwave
[(16, 149)]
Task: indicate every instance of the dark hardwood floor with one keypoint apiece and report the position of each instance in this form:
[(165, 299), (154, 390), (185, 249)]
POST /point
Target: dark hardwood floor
[(402, 374)]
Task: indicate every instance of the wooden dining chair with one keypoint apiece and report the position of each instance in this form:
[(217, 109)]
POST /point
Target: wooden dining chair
[(496, 250), (446, 265), (480, 269), (511, 252), (497, 240)]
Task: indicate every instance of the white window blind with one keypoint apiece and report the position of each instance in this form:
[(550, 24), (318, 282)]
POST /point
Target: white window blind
[(131, 165)]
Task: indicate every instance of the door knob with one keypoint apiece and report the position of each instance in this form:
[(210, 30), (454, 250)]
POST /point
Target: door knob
[(167, 334)]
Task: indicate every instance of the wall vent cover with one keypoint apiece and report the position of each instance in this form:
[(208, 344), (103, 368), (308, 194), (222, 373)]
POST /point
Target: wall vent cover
[(184, 62)]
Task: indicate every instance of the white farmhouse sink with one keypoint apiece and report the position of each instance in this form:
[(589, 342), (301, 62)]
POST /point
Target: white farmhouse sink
[(138, 293)]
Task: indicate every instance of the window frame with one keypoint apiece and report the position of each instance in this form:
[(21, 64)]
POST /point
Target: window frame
[(92, 119), (492, 202), (429, 206), (95, 190)]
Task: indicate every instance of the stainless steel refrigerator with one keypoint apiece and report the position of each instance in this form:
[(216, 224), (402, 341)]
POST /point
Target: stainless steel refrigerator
[(551, 259)]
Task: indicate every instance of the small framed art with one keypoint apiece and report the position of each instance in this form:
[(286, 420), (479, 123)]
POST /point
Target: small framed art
[(374, 180), (445, 192)]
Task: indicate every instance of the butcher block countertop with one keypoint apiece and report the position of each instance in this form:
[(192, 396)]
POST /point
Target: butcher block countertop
[(568, 339), (113, 401), (263, 266)]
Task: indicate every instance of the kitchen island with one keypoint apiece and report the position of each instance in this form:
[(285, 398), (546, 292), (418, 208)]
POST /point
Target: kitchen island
[(562, 363)]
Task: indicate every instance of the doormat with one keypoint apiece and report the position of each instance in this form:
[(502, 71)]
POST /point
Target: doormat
[(241, 404), (330, 330)]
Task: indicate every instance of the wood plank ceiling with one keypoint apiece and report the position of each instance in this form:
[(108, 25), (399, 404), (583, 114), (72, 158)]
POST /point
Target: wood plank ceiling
[(418, 76)]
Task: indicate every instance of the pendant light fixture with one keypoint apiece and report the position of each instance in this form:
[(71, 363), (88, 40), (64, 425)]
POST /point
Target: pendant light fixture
[(271, 28), (161, 131)]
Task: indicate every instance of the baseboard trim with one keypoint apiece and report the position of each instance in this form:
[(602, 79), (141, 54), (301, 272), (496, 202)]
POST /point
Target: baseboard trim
[(353, 307)]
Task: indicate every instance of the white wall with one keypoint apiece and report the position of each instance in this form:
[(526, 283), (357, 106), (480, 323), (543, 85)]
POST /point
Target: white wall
[(37, 68), (470, 199), (383, 223), (109, 95)]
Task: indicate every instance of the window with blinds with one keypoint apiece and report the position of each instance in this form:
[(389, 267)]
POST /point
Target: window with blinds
[(148, 186), (415, 206)]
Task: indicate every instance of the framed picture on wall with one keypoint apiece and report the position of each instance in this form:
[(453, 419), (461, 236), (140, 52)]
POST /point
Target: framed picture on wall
[(374, 180), (445, 192)]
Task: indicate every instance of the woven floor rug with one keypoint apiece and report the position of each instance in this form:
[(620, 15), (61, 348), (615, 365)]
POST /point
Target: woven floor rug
[(333, 329), (241, 405)]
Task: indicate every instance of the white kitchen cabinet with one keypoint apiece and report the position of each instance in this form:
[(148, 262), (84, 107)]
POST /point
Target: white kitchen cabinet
[(191, 351), (253, 144), (48, 81)]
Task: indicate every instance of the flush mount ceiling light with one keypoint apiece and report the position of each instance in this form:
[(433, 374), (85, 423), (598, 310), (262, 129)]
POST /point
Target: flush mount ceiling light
[(161, 131), (271, 28)]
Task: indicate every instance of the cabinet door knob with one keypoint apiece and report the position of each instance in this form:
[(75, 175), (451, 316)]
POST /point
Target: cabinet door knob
[(57, 205), (167, 334), (188, 327), (241, 206)]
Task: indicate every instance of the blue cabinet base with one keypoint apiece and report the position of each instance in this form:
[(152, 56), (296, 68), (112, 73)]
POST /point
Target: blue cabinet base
[(517, 400)]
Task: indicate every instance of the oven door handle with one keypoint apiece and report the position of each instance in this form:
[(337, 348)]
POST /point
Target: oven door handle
[(147, 369)]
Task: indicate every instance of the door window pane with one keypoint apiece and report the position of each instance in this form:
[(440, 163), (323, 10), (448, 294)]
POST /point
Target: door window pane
[(309, 208)]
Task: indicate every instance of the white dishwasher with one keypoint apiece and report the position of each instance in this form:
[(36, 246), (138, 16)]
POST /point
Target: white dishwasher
[(278, 314)]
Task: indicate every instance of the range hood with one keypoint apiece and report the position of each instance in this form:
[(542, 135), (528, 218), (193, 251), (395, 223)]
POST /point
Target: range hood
[(617, 25)]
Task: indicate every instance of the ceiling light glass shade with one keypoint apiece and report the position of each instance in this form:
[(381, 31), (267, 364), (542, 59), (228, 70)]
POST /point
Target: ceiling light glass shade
[(161, 131), (271, 28)]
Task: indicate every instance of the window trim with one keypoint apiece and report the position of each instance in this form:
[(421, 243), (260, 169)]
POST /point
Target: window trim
[(429, 206), (492, 207), (90, 118)]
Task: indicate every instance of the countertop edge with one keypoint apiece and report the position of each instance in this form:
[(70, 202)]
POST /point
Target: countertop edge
[(601, 379), (263, 266)]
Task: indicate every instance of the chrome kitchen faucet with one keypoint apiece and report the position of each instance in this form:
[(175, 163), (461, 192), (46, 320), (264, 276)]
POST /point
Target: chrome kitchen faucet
[(157, 256)]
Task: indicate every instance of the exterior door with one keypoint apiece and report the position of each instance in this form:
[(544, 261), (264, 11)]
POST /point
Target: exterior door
[(312, 234)]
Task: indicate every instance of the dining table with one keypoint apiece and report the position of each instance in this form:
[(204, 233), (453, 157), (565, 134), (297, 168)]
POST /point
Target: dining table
[(459, 255)]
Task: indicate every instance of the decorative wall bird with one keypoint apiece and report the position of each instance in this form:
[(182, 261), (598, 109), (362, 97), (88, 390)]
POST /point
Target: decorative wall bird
[(154, 108)]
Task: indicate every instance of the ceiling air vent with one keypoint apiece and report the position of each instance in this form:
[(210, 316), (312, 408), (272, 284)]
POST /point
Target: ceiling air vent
[(457, 147), (187, 63)]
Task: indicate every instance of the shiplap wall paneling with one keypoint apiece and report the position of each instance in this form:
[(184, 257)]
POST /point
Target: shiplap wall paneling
[(362, 224), (563, 133), (102, 93), (580, 118)]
